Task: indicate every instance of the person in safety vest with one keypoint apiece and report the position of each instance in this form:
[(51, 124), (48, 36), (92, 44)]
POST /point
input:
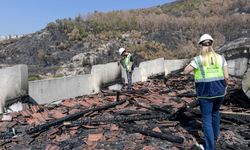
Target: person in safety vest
[(127, 63), (211, 76)]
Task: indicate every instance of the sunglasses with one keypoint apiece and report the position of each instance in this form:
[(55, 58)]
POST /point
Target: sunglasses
[(206, 43)]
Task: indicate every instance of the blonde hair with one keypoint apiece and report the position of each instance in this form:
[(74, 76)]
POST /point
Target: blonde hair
[(209, 56)]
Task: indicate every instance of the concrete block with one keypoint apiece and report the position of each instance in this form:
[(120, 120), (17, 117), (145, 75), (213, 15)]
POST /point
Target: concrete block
[(47, 91), (116, 87), (172, 65), (13, 83), (137, 75), (105, 73), (246, 83), (237, 67), (152, 67)]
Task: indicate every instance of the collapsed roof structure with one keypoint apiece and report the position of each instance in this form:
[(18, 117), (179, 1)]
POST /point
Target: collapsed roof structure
[(153, 115)]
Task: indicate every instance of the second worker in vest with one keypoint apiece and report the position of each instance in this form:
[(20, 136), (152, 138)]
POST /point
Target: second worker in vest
[(127, 64), (211, 75)]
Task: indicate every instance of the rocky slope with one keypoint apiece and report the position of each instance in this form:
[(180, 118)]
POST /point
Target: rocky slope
[(72, 46)]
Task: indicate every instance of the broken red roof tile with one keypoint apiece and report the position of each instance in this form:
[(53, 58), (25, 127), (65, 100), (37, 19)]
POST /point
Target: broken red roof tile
[(26, 113), (172, 94), (52, 147), (73, 111), (84, 103), (95, 137), (33, 121), (39, 117), (187, 99), (157, 129), (73, 130), (180, 105), (6, 118), (110, 98), (89, 127), (62, 137), (14, 114), (56, 114), (89, 143), (52, 132), (122, 106), (6, 125), (69, 102), (35, 108), (148, 147), (114, 127)]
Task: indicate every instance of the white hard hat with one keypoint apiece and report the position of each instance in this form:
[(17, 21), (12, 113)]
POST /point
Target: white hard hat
[(205, 37), (121, 50)]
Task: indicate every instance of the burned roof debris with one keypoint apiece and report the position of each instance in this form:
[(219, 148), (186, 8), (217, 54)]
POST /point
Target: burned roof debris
[(158, 113)]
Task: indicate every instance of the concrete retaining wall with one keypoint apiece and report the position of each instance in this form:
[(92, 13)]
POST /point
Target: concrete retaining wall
[(47, 91), (13, 83), (172, 65), (152, 67), (237, 67), (105, 73), (137, 75)]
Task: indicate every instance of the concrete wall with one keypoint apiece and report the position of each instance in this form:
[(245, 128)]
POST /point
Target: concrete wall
[(172, 65), (152, 67), (237, 67), (105, 73), (47, 91), (13, 83), (246, 83), (137, 75), (145, 70)]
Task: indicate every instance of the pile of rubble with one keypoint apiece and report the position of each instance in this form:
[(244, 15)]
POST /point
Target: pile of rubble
[(161, 113)]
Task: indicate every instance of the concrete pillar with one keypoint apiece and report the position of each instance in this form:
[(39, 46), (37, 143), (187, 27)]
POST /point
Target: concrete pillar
[(13, 83)]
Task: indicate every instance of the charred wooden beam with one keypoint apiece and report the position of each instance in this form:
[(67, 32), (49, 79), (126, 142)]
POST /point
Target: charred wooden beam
[(75, 116), (188, 94), (245, 134), (117, 119), (148, 132), (183, 109), (113, 93), (6, 135), (16, 99), (238, 98), (239, 117), (130, 112), (117, 96), (162, 109)]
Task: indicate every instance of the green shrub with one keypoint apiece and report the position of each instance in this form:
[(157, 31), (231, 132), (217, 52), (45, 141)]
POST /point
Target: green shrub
[(34, 77)]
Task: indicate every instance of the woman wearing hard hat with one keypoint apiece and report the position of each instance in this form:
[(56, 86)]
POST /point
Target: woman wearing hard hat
[(127, 63), (211, 75)]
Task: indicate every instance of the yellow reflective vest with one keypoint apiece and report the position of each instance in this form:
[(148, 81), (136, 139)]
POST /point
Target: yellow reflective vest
[(209, 79)]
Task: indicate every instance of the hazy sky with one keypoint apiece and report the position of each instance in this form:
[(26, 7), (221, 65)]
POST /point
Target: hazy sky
[(27, 16)]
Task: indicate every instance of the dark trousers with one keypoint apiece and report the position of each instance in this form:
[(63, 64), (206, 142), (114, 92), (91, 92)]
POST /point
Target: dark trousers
[(210, 120), (129, 77)]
